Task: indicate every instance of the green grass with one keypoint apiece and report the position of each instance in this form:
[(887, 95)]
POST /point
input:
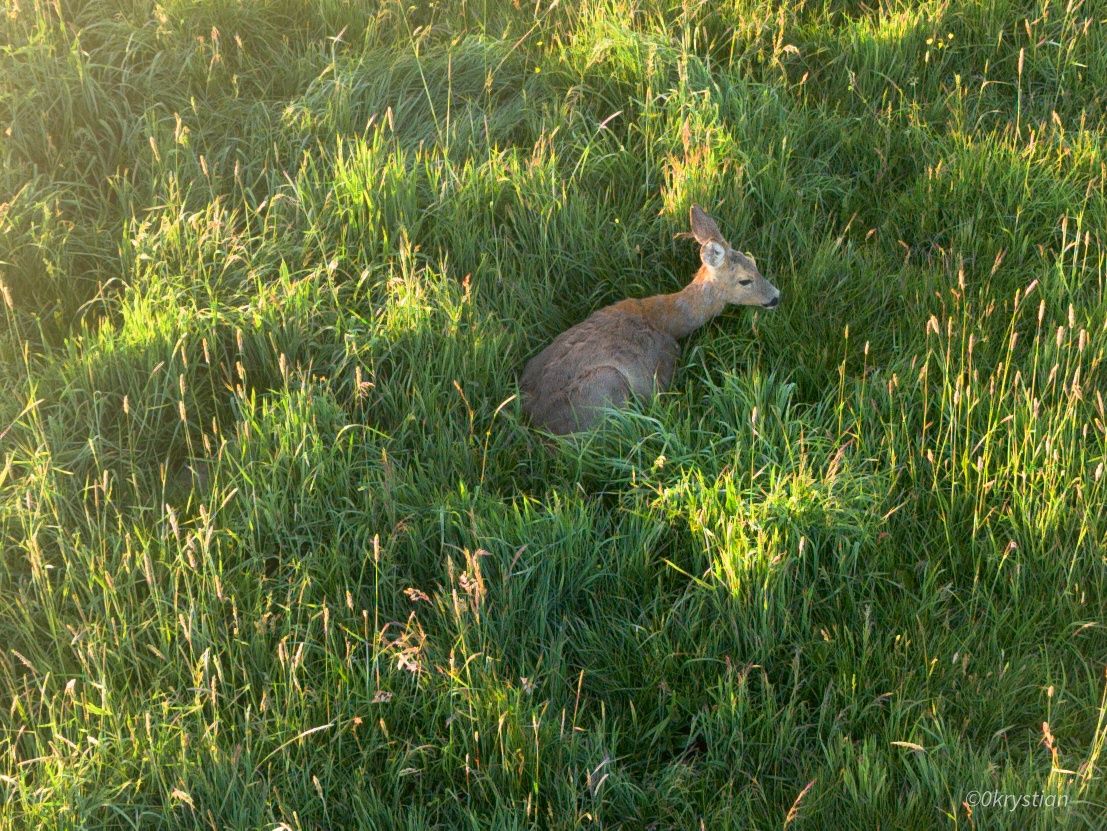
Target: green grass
[(280, 551)]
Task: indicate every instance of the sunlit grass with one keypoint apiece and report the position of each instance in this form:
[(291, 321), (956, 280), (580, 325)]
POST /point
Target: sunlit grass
[(280, 551)]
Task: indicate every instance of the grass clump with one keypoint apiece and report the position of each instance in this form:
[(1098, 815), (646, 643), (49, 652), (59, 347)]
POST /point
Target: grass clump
[(279, 551)]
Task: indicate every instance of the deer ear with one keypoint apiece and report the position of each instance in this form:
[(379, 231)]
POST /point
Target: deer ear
[(712, 253), (704, 228)]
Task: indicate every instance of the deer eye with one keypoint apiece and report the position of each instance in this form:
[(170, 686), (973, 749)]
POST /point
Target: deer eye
[(744, 282)]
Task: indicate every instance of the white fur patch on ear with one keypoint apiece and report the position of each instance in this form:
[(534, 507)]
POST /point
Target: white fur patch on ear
[(712, 254)]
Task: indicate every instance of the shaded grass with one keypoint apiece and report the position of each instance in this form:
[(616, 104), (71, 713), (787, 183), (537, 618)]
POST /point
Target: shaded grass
[(278, 548)]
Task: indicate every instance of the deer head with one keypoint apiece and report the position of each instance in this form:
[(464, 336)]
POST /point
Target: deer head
[(734, 274)]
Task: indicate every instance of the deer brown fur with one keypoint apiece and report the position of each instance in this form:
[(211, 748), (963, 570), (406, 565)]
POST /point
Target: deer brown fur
[(630, 348)]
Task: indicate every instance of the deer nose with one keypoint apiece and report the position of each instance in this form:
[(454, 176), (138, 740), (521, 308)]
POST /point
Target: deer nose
[(772, 304)]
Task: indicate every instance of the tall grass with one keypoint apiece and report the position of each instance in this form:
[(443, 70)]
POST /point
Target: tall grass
[(279, 550)]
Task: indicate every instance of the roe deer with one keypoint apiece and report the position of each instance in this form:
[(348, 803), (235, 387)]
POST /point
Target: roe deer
[(630, 347)]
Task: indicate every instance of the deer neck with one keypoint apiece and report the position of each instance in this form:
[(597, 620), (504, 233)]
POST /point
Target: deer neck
[(683, 312)]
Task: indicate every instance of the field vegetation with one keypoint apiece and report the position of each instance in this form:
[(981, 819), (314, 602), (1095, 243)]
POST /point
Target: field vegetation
[(279, 550)]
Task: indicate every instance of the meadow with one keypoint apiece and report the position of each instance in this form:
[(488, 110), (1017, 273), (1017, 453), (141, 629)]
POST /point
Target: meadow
[(280, 551)]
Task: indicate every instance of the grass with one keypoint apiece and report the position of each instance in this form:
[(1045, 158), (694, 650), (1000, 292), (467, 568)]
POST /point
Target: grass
[(279, 550)]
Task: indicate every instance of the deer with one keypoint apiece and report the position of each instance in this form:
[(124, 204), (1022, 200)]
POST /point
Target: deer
[(629, 349)]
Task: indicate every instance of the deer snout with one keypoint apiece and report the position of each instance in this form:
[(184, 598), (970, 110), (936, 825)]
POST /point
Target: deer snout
[(773, 301)]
